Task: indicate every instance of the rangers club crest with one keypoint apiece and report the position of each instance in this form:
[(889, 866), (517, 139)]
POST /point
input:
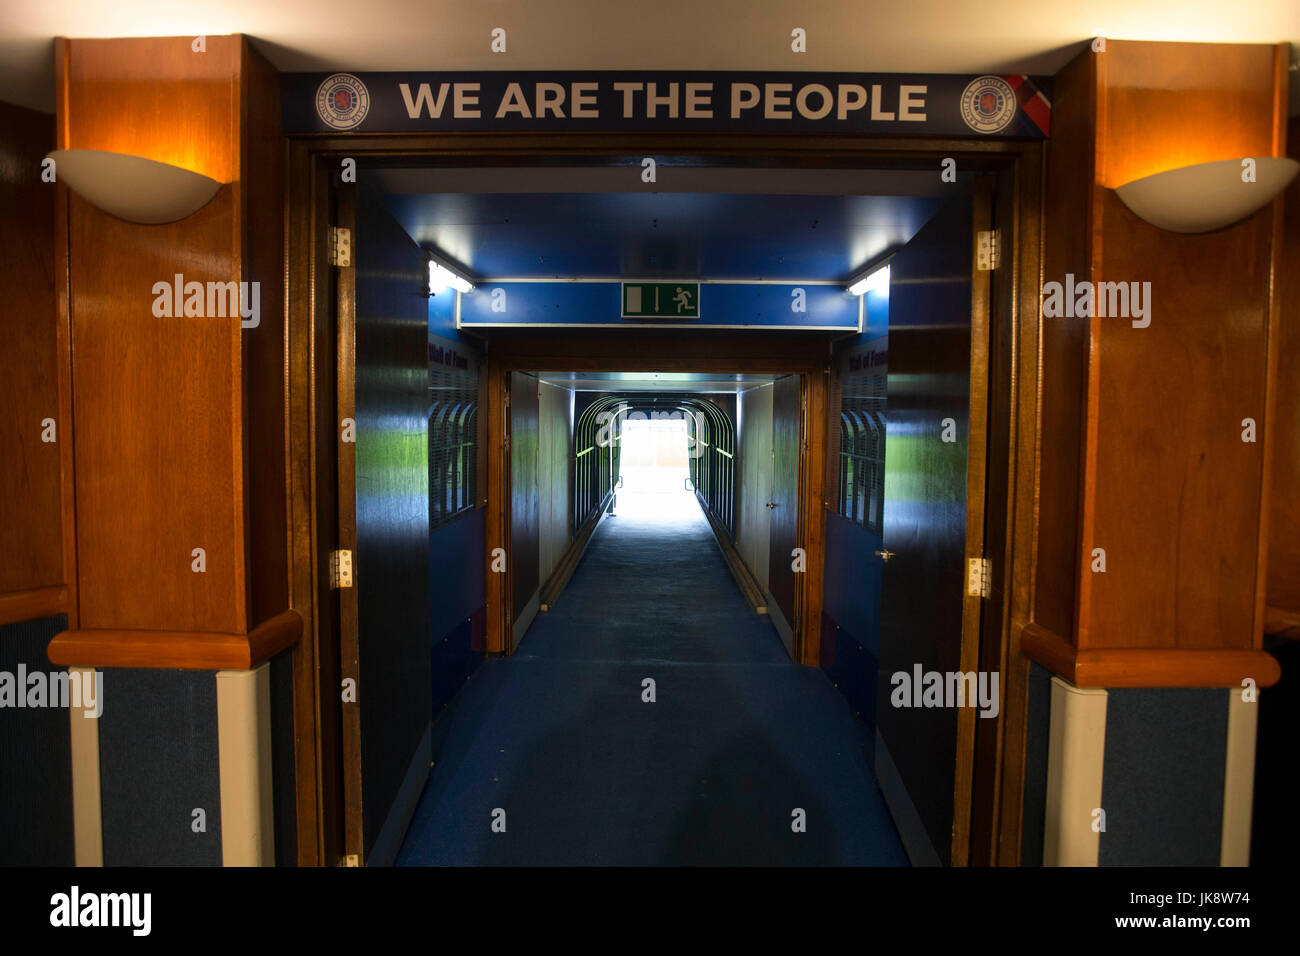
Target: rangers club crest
[(342, 101), (988, 104)]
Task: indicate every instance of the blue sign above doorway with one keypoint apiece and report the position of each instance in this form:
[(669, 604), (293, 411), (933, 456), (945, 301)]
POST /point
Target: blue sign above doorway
[(942, 104), (590, 303)]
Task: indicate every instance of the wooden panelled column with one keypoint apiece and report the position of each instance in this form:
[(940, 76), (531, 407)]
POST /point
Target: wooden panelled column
[(1142, 452), (179, 438), (176, 425), (1282, 600)]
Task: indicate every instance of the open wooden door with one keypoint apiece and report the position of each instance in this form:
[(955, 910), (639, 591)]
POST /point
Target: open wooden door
[(383, 503), (935, 420)]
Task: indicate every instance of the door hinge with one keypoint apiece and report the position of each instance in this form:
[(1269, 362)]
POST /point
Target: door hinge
[(340, 246), (987, 250), (979, 577), (340, 569)]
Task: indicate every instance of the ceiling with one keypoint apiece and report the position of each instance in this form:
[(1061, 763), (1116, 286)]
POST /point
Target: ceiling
[(888, 36), (717, 223), (674, 235), (692, 382)]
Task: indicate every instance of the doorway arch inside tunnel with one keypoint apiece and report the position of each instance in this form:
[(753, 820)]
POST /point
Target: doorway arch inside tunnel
[(516, 359), (662, 451), (710, 451)]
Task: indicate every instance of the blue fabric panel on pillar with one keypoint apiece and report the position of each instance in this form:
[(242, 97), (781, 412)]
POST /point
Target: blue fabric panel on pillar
[(158, 765), (1162, 791), (35, 756)]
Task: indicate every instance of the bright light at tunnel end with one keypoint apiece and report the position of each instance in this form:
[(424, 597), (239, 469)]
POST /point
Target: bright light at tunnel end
[(871, 283)]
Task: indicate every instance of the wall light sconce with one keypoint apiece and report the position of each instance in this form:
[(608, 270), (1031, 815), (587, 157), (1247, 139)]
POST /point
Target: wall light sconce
[(442, 275), (132, 187), (872, 281), (1207, 196)]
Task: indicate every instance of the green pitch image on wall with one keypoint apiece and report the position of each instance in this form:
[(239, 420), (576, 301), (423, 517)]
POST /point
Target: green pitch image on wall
[(661, 300)]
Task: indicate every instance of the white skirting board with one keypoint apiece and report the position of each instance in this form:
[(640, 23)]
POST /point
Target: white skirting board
[(1239, 779), (779, 622), (526, 618), (87, 816), (1075, 757), (244, 757)]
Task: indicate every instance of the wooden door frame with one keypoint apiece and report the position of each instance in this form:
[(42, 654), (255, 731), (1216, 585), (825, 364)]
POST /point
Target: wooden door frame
[(348, 619), (1011, 498), (981, 344)]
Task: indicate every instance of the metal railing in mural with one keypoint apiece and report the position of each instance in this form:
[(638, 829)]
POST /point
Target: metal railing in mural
[(453, 446), (597, 439), (862, 468)]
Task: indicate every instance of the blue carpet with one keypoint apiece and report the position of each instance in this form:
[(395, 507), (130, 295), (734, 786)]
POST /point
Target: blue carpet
[(558, 735), (653, 590)]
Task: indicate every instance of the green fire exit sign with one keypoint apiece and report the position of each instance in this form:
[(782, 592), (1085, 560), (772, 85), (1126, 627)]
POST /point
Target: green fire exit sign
[(661, 300)]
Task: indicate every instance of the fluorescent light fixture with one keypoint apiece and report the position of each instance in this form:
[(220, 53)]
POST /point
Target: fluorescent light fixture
[(1208, 196), (871, 282), (441, 276), (131, 187)]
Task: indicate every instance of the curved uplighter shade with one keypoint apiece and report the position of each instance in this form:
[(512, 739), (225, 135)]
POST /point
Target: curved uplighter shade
[(1206, 196), (132, 187)]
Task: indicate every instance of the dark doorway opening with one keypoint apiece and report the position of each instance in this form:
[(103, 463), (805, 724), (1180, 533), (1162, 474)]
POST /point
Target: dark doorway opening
[(518, 351)]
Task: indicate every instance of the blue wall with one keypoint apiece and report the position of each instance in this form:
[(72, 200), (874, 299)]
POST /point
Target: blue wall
[(851, 635), (456, 599), (442, 318), (456, 550)]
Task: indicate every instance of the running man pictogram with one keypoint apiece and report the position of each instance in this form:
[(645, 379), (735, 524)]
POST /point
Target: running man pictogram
[(683, 299)]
